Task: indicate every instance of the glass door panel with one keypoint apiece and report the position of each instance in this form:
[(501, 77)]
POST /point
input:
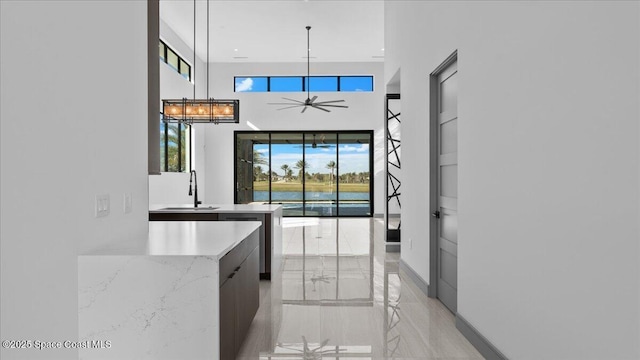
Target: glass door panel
[(321, 190), (354, 174), (287, 161)]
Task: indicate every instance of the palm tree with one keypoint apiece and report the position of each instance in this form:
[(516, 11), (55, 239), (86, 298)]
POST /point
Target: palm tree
[(172, 152), (257, 172), (300, 165), (285, 168), (331, 166), (258, 158)]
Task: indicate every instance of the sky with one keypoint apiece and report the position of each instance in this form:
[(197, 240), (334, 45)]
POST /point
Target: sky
[(294, 83), (353, 157)]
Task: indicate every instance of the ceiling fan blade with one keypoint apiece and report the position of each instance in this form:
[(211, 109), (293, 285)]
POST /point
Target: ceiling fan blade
[(303, 110), (313, 99), (289, 107), (319, 108), (285, 104), (338, 106), (328, 102), (297, 101)]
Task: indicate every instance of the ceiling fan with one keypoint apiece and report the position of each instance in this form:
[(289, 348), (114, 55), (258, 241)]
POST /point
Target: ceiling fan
[(310, 101)]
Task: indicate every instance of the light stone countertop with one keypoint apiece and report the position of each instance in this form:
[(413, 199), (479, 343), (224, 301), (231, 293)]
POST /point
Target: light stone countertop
[(216, 208), (185, 238)]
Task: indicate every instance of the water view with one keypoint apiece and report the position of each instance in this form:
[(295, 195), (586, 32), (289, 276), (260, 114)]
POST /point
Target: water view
[(318, 203), (310, 196)]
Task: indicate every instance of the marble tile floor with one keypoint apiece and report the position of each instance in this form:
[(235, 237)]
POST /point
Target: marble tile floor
[(341, 296)]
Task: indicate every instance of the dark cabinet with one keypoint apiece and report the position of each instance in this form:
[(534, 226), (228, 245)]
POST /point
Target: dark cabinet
[(247, 295), (239, 294), (253, 217), (228, 320), (182, 216)]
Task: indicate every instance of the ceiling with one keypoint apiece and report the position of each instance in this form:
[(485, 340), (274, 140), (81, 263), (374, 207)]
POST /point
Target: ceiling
[(274, 31)]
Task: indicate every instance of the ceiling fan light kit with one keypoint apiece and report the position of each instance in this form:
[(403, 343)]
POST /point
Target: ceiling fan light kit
[(310, 101)]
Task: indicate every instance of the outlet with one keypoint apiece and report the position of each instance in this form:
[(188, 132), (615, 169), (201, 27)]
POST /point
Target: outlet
[(102, 205), (127, 203), (410, 243)]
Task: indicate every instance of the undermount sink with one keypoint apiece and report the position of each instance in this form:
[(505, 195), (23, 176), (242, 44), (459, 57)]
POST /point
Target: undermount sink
[(186, 208)]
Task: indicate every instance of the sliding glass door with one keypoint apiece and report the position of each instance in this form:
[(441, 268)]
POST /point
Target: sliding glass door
[(321, 188), (311, 173), (287, 165), (354, 174)]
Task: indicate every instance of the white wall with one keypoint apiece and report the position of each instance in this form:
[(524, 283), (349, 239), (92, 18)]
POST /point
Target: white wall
[(365, 112), (172, 188), (548, 167), (73, 125)]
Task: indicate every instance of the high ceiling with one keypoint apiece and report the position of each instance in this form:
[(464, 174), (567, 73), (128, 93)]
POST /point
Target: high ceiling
[(274, 31)]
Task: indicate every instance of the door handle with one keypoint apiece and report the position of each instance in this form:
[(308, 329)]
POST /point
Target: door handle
[(436, 214), (234, 272)]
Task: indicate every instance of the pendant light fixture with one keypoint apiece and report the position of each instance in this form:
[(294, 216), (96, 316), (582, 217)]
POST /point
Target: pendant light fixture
[(194, 110)]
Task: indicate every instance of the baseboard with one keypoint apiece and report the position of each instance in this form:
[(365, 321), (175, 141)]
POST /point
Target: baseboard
[(378, 215), (476, 339), (420, 283)]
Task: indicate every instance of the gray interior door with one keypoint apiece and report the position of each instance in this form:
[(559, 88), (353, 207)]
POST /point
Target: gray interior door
[(447, 189)]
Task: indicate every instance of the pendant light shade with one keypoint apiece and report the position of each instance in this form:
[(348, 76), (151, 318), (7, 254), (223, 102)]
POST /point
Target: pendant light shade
[(194, 110)]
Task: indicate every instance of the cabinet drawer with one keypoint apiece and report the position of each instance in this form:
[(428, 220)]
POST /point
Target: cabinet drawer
[(232, 260), (265, 251)]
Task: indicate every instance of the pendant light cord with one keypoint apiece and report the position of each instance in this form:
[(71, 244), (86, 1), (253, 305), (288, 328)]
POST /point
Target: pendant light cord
[(194, 49), (308, 71), (208, 64)]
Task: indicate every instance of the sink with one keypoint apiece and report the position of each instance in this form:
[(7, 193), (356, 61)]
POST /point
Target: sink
[(187, 208)]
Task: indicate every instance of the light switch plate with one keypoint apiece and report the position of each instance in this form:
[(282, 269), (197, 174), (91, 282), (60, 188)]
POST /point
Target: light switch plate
[(102, 205), (127, 203)]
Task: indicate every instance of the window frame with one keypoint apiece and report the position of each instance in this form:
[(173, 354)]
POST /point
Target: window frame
[(164, 158), (181, 60), (303, 80)]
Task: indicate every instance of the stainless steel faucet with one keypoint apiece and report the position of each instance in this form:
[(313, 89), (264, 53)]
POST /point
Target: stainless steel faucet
[(193, 179)]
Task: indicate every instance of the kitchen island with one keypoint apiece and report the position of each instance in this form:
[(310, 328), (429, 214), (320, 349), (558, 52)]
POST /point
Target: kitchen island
[(189, 291), (269, 215)]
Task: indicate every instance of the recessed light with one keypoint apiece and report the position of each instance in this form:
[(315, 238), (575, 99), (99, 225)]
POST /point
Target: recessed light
[(237, 50), (382, 49)]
